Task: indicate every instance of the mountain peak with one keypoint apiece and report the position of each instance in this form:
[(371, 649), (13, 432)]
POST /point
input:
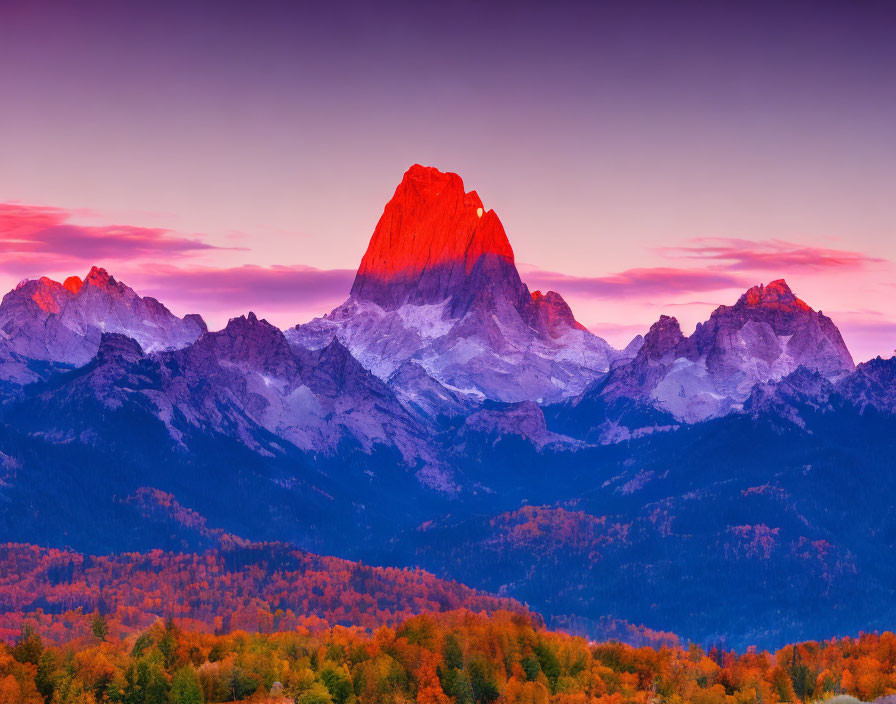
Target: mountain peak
[(248, 341), (249, 322), (48, 295), (115, 345), (428, 243), (552, 314), (775, 295), (251, 332), (63, 322), (663, 338), (100, 278)]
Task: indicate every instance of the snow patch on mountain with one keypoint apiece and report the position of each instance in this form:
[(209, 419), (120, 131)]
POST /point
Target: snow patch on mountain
[(48, 321), (438, 287)]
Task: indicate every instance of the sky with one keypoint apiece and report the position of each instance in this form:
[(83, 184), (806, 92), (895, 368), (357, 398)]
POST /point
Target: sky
[(644, 157)]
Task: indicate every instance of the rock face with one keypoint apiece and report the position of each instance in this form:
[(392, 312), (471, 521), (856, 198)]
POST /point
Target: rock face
[(523, 420), (63, 322), (14, 369), (438, 287), (552, 316), (872, 385), (433, 242), (314, 399), (767, 335), (787, 398), (246, 383)]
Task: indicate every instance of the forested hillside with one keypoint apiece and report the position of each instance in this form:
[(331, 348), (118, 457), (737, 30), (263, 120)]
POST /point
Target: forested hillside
[(259, 588), (451, 658)]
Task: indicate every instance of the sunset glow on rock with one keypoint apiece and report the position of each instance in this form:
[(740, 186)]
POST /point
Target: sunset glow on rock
[(431, 235)]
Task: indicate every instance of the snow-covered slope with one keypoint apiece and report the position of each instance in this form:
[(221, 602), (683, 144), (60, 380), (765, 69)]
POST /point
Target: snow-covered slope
[(245, 383), (438, 287), (63, 322), (768, 334)]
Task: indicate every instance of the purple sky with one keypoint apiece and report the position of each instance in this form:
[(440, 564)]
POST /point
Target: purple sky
[(645, 158)]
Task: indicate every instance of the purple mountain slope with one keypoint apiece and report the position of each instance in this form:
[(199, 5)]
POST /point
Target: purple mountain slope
[(873, 385), (245, 382), (765, 336), (63, 322), (438, 287)]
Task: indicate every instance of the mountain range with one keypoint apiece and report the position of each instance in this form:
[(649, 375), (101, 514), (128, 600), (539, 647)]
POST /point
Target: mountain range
[(731, 485)]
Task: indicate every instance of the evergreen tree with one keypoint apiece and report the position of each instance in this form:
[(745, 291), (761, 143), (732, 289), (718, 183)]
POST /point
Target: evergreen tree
[(99, 626), (456, 683), (338, 684), (454, 656), (45, 678), (485, 689), (28, 647), (549, 663), (800, 676)]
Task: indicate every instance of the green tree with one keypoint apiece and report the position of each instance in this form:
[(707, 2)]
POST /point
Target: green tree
[(338, 684), (168, 648), (801, 676), (453, 656), (143, 642), (99, 626), (28, 647), (550, 665), (186, 688), (317, 694), (456, 683), (240, 684), (530, 667), (45, 678), (218, 652), (485, 689), (146, 683)]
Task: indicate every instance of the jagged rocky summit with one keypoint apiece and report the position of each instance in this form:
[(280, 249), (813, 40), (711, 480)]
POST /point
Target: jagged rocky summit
[(45, 320), (438, 287), (765, 336)]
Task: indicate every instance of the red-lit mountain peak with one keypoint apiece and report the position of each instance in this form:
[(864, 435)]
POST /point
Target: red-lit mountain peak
[(552, 314), (63, 322), (775, 295), (49, 295), (100, 278), (431, 236)]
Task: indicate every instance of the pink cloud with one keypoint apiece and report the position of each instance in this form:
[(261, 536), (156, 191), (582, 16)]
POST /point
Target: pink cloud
[(867, 333), (276, 288), (38, 239), (635, 283), (618, 331), (734, 254)]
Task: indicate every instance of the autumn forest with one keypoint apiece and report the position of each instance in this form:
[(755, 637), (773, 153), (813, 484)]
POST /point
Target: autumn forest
[(269, 623), (457, 657)]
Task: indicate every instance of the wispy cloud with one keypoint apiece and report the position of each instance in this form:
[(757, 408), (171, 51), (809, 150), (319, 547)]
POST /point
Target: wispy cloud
[(732, 254), (35, 240), (868, 333), (866, 321), (635, 283), (619, 331), (38, 238), (279, 288)]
